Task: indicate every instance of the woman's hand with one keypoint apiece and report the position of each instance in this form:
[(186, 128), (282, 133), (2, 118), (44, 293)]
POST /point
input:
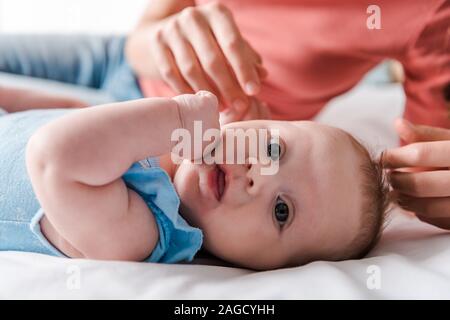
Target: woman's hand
[(421, 174), (201, 48)]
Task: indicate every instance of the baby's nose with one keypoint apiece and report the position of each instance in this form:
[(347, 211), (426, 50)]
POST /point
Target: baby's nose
[(261, 177), (249, 178)]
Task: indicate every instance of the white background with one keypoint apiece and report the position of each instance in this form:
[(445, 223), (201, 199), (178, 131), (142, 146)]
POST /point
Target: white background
[(62, 16)]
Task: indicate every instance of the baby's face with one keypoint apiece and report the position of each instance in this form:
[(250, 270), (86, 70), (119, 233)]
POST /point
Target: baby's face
[(308, 210)]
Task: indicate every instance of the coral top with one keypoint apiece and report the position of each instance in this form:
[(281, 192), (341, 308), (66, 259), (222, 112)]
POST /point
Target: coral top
[(317, 49)]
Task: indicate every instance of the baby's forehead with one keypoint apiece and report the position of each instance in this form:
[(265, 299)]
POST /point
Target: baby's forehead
[(329, 135), (316, 126), (328, 141)]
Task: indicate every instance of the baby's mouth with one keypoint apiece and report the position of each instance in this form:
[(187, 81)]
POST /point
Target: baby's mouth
[(217, 182)]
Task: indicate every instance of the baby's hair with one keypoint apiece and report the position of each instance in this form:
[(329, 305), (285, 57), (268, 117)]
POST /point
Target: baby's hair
[(376, 204)]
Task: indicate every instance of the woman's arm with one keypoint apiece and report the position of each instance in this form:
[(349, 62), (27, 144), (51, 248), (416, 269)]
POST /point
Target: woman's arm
[(76, 162)]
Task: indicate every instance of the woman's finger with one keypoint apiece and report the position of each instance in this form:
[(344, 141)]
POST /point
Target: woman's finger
[(434, 211), (262, 72), (443, 223), (264, 111), (186, 59), (420, 133), (438, 207), (258, 110), (234, 48), (228, 116), (254, 53), (252, 113), (420, 154), (167, 65), (422, 184), (196, 31)]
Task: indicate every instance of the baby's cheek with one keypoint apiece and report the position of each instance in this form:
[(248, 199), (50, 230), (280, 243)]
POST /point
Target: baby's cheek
[(186, 185), (224, 241)]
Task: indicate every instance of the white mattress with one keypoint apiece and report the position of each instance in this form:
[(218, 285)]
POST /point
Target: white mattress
[(411, 261)]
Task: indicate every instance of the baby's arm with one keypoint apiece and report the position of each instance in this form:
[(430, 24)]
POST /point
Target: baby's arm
[(76, 163), (14, 100)]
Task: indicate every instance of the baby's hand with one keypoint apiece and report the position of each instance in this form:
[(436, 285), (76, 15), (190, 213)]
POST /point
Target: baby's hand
[(195, 109)]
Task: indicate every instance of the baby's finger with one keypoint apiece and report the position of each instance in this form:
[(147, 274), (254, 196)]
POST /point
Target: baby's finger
[(420, 154), (422, 184)]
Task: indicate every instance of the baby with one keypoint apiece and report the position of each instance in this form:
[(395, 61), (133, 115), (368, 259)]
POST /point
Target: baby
[(73, 183)]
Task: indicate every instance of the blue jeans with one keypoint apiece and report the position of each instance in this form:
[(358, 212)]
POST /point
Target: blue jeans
[(93, 61)]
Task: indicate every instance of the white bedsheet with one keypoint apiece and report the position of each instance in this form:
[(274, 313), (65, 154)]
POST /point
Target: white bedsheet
[(411, 261)]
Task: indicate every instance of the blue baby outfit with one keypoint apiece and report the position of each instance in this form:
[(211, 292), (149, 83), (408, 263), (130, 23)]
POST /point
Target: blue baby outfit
[(20, 211)]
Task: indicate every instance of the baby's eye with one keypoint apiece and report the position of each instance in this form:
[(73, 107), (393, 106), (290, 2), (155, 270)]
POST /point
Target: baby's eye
[(274, 150), (281, 211)]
